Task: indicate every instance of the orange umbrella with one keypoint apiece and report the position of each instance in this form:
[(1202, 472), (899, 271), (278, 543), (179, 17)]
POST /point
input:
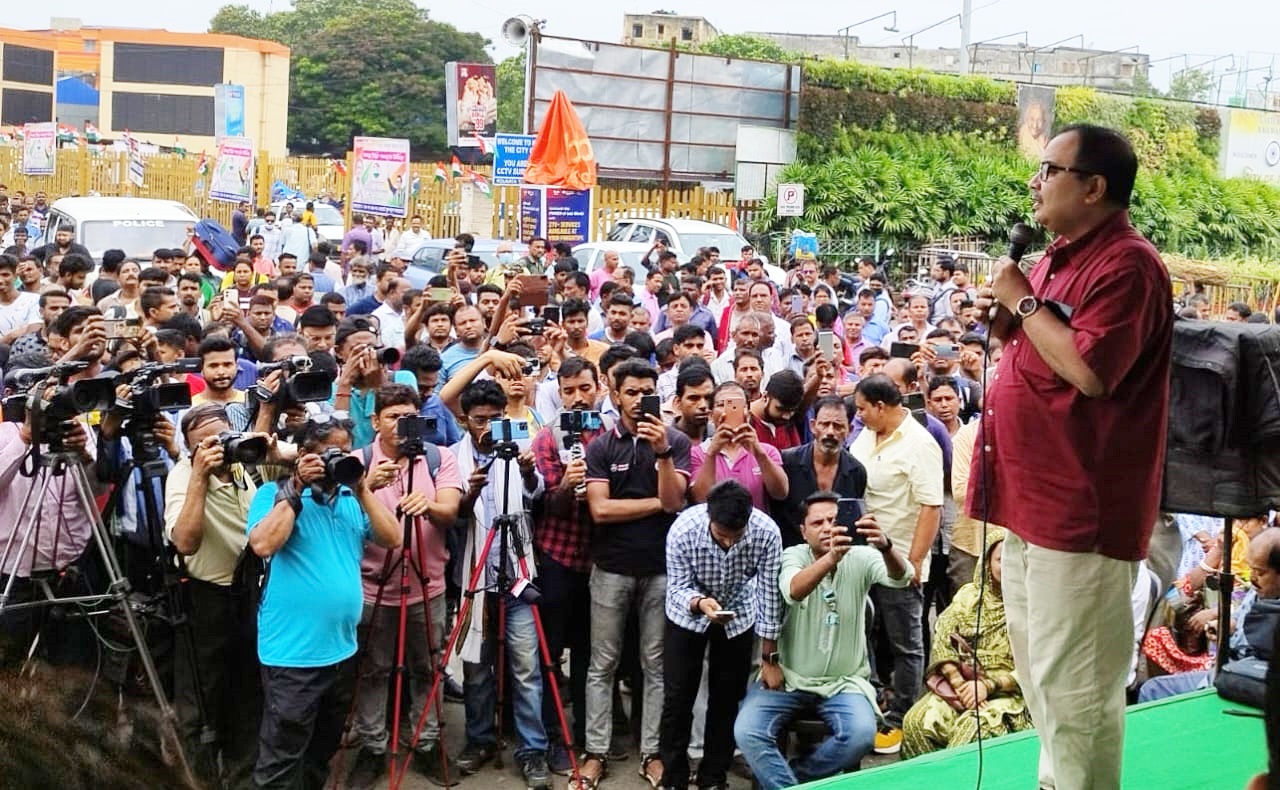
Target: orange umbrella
[(562, 154)]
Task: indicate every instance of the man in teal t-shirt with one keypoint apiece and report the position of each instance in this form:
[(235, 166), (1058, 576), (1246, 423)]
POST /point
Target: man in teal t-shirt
[(312, 531), (823, 647)]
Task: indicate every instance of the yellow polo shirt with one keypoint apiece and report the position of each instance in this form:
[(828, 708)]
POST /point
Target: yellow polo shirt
[(904, 474), (226, 509), (966, 533)]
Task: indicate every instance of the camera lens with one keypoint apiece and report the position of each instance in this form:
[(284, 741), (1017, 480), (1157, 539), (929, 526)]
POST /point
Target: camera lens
[(342, 468), (388, 356), (244, 449)]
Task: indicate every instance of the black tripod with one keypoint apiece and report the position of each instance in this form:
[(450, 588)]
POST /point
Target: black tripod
[(64, 466), (503, 525)]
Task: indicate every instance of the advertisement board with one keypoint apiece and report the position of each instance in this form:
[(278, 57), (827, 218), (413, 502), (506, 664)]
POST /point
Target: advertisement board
[(471, 100), (1250, 144), (380, 177), (228, 111), (40, 148), (510, 158), (232, 179), (556, 214)]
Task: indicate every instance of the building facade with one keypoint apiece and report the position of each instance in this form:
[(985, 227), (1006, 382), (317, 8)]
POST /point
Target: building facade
[(657, 29), (161, 86), (27, 78)]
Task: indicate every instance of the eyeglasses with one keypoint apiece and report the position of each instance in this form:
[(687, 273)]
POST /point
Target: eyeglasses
[(480, 421), (1048, 170)]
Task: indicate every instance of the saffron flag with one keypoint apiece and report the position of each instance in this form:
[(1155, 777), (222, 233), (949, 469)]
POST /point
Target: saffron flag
[(340, 166)]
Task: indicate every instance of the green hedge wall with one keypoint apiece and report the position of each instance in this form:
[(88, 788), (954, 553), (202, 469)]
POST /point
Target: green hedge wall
[(824, 111)]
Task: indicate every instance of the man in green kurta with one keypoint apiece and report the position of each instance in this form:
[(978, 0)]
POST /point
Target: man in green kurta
[(822, 648)]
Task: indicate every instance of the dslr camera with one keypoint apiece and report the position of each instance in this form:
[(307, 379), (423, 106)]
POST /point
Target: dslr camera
[(412, 432), (339, 467), (580, 420), (238, 447)]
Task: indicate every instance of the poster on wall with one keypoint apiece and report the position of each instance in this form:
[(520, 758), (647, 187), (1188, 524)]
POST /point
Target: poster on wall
[(471, 98), (228, 111), (40, 149), (232, 179), (1035, 119), (380, 178), (1250, 144), (530, 213)]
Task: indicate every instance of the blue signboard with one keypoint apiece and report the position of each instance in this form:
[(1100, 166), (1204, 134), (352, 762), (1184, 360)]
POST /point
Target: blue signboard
[(568, 216), (228, 110), (531, 220), (510, 158)]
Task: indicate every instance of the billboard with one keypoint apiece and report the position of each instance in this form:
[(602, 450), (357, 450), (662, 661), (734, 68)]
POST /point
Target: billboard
[(39, 148), (232, 179), (228, 111), (1035, 119), (556, 214), (471, 99), (380, 178), (1250, 144), (661, 113), (511, 158)]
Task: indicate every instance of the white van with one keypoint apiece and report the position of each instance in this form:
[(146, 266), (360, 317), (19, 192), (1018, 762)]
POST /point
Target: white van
[(139, 226)]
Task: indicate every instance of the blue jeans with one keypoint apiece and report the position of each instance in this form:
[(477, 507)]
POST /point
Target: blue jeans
[(764, 714), (1172, 685), (479, 689)]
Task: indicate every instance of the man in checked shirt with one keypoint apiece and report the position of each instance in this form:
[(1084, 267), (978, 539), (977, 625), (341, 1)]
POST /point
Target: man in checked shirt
[(562, 539), (715, 552)]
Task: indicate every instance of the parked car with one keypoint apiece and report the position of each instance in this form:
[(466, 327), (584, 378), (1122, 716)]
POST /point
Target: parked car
[(428, 260), (329, 221), (139, 226), (686, 236), (590, 256)]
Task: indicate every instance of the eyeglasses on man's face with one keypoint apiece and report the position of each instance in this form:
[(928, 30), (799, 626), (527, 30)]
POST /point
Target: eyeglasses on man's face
[(1048, 170)]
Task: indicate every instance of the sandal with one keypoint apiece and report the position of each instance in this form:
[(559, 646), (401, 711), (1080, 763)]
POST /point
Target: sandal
[(645, 761), (584, 782)]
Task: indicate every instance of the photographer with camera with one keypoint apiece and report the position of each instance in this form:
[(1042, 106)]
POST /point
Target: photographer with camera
[(206, 505), (502, 483), (362, 371), (319, 327), (425, 364), (562, 536), (312, 525), (399, 460), (516, 371)]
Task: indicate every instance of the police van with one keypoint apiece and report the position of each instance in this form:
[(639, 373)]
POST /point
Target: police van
[(139, 226)]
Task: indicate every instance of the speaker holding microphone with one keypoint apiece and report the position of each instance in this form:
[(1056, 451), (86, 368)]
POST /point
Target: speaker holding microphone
[(1020, 237)]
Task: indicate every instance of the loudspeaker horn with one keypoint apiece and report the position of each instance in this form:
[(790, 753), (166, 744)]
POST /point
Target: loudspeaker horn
[(516, 29)]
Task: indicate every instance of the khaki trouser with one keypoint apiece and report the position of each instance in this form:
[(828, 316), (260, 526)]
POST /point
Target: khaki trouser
[(1071, 628)]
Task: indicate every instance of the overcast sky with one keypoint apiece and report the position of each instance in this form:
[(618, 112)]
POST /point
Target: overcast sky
[(1249, 29)]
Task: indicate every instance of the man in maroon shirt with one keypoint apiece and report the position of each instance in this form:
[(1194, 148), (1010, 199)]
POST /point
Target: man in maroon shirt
[(1072, 449)]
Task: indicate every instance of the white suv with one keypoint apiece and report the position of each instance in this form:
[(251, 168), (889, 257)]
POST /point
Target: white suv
[(684, 237)]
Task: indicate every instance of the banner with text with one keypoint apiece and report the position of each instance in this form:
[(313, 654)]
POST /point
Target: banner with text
[(232, 179), (471, 99), (380, 180), (556, 214), (510, 158), (39, 149)]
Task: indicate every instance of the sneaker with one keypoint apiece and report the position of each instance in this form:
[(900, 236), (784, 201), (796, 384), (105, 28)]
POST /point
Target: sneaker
[(534, 770), (888, 740), (428, 763), (474, 757), (367, 769), (558, 760)]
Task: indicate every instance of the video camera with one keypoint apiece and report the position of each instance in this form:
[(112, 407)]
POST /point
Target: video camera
[(339, 467), (579, 420), (412, 432), (146, 398), (302, 383), (31, 396)]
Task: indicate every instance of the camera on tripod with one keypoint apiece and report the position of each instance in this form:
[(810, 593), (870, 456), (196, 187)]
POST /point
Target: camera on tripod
[(238, 447), (146, 398), (339, 467), (31, 387), (302, 384), (580, 420), (412, 432)]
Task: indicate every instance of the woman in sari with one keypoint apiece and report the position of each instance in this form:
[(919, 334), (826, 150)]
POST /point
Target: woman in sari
[(944, 717)]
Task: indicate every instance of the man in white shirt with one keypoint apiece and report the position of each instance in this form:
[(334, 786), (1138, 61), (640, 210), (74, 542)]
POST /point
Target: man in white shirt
[(718, 295), (749, 333), (411, 239), (390, 314), (19, 310)]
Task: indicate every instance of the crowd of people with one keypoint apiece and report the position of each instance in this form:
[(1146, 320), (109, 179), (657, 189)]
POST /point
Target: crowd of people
[(740, 502)]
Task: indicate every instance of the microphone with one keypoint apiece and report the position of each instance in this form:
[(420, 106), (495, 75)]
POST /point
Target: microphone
[(1020, 236)]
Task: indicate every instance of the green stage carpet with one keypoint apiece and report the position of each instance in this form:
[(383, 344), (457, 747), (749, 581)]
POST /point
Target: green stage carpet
[(1181, 742)]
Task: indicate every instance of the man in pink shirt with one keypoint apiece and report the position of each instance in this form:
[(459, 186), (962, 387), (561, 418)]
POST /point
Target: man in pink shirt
[(735, 452), (433, 504), (605, 273)]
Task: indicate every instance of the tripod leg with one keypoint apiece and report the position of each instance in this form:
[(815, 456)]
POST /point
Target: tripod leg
[(468, 601), (120, 587), (33, 521), (548, 669), (501, 670)]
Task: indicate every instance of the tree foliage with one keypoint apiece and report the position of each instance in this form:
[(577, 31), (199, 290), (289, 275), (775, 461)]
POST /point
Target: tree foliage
[(361, 67), (745, 45), (1191, 85), (510, 74)]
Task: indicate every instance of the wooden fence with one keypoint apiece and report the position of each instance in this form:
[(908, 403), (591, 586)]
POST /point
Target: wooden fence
[(83, 171)]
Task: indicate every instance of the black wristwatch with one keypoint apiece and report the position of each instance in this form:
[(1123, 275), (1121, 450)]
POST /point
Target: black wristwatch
[(774, 658), (667, 454)]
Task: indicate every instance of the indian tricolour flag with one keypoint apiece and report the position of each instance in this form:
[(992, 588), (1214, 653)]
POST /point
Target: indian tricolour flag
[(91, 133), (441, 173), (455, 168), (202, 165)]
